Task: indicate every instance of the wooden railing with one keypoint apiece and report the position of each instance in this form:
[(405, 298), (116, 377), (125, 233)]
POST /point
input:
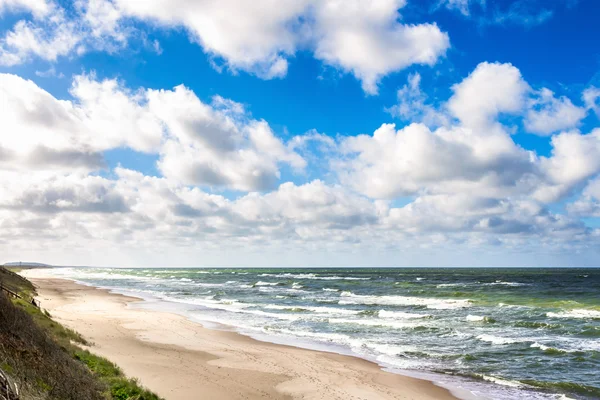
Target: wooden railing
[(16, 295), (9, 292), (8, 389)]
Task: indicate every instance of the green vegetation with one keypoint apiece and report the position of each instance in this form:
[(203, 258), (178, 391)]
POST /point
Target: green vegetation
[(45, 359)]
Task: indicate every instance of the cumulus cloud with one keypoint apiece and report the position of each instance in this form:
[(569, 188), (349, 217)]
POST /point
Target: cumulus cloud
[(56, 32), (392, 163), (360, 37), (38, 8), (69, 193), (588, 205), (217, 145), (548, 114), (575, 159), (366, 39), (45, 132), (458, 179), (412, 105), (474, 153), (490, 90)]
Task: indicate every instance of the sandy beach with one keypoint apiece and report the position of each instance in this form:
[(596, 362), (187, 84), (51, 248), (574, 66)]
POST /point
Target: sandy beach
[(180, 359)]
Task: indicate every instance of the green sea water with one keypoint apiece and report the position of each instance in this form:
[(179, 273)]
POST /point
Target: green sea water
[(496, 333)]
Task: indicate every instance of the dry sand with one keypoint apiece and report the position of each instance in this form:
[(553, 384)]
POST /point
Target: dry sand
[(180, 359)]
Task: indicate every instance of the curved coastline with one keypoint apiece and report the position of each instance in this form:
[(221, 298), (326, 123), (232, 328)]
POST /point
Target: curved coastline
[(189, 352)]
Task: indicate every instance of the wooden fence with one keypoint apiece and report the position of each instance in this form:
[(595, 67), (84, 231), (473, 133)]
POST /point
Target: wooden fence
[(8, 389)]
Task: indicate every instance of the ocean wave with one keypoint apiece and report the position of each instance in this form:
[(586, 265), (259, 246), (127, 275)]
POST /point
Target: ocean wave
[(550, 349), (501, 381), (323, 337), (474, 318), (373, 322), (480, 318), (436, 304), (443, 285), (318, 310), (505, 283), (261, 283), (330, 290), (500, 340), (317, 277), (577, 314), (401, 315), (392, 350), (209, 285)]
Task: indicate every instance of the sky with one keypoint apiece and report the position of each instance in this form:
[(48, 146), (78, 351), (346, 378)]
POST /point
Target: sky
[(300, 132)]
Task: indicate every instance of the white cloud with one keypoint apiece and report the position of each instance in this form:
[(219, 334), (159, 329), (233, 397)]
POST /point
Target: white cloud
[(520, 12), (360, 37), (365, 38), (588, 205), (250, 36), (475, 154), (57, 32), (38, 8), (102, 19), (412, 105), (217, 145), (48, 41), (575, 159), (591, 97), (549, 114), (393, 163), (47, 132), (466, 184), (490, 90), (464, 6)]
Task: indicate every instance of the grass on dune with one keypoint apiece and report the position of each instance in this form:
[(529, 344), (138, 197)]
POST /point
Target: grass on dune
[(46, 359)]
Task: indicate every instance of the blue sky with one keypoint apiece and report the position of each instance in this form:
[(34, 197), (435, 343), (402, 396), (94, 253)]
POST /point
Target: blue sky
[(173, 134)]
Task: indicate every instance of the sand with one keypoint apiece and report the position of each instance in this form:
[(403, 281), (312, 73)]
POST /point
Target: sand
[(180, 359)]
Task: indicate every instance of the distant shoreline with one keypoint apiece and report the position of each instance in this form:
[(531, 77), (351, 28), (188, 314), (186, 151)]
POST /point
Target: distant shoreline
[(187, 359)]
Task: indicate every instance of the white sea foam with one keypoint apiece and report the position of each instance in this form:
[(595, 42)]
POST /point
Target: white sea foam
[(544, 347), (401, 315), (318, 310), (390, 349), (330, 290), (443, 285), (576, 313), (332, 310), (503, 382), (325, 337), (499, 340), (505, 283), (474, 318), (317, 277), (373, 322), (261, 283), (436, 304)]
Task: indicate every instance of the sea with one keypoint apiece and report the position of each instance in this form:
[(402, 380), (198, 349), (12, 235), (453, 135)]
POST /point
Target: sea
[(485, 333)]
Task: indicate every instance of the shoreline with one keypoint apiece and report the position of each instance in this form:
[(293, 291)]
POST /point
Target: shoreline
[(189, 360)]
